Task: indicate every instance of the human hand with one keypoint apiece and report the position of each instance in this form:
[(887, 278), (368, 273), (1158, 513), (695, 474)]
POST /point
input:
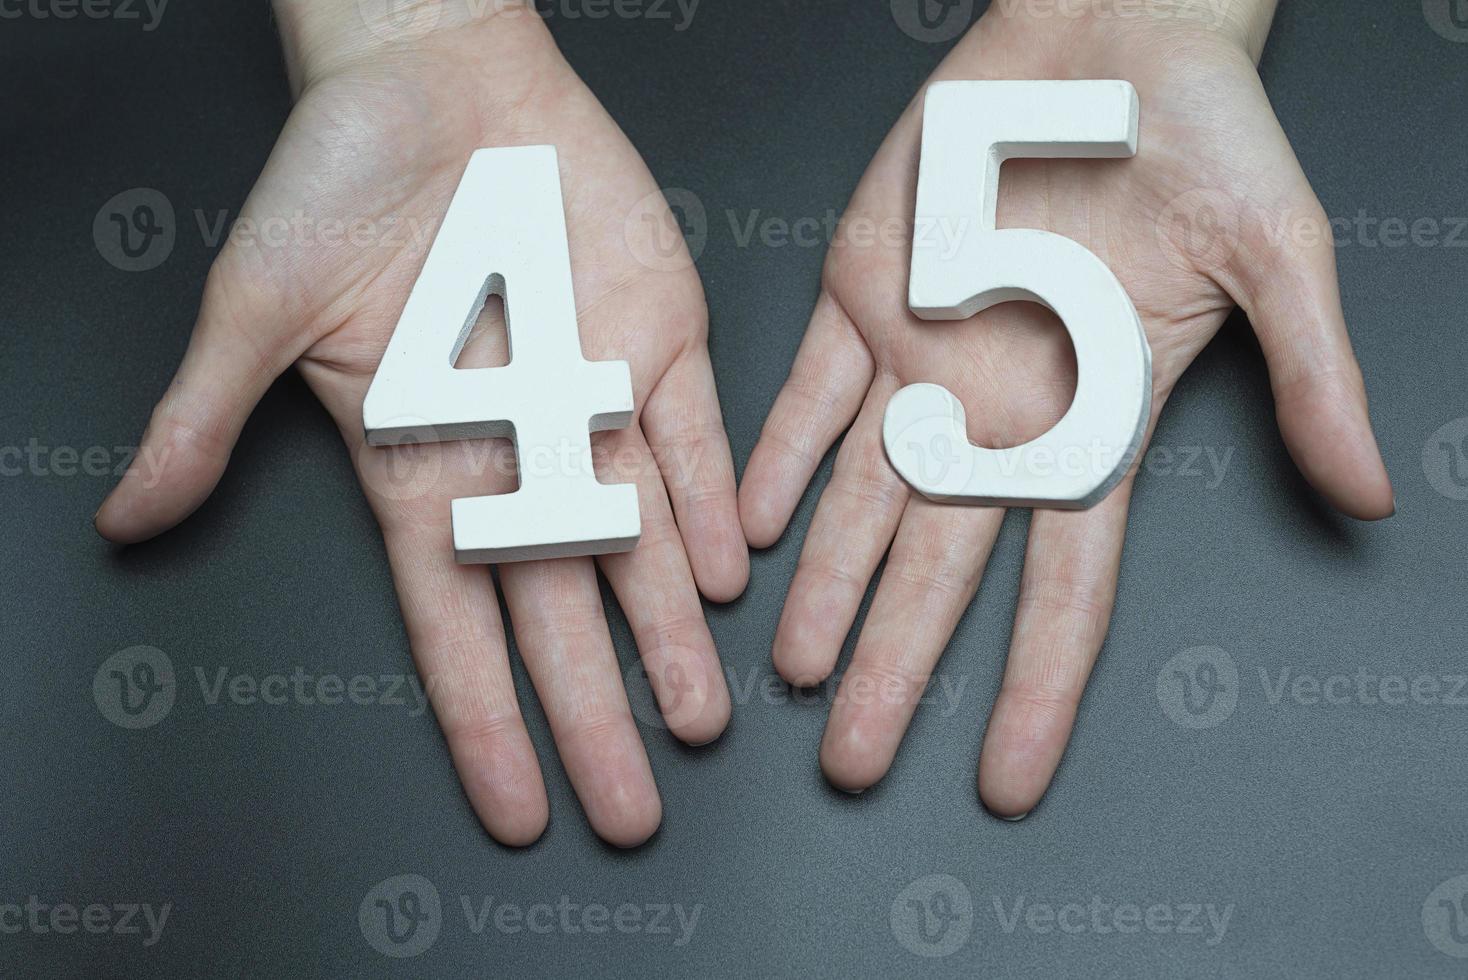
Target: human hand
[(1211, 152), (384, 125)]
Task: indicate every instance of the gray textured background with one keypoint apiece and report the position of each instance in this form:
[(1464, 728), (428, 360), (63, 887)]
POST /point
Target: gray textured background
[(1323, 830)]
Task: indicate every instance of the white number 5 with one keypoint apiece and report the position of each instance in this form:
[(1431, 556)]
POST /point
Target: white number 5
[(969, 130), (505, 233)]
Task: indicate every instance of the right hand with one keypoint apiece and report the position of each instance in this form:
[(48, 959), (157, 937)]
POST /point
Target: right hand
[(1208, 136)]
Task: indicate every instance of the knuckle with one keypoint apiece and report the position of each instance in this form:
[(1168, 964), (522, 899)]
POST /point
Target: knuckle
[(868, 487), (672, 630), (598, 727), (570, 625), (885, 679), (480, 730), (934, 576), (1065, 600), (195, 428), (1314, 382), (1039, 702), (824, 570), (789, 440)]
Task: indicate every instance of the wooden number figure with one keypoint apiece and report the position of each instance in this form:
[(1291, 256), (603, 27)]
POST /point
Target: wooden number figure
[(505, 233), (969, 130)]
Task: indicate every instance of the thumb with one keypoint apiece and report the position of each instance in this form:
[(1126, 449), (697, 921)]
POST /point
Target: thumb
[(1288, 287), (233, 356)]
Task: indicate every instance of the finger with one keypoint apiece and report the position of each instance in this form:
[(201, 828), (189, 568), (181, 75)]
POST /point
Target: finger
[(238, 348), (937, 560), (685, 429), (458, 641), (1290, 290), (561, 631), (1065, 601), (450, 611), (832, 371), (854, 522), (655, 588)]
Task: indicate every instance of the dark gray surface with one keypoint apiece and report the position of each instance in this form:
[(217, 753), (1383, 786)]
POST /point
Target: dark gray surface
[(1324, 828)]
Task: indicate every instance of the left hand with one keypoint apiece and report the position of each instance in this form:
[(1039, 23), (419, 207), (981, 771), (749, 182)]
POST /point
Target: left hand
[(1206, 124), (382, 130)]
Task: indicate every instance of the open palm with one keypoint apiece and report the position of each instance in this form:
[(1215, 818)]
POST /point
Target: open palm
[(1190, 226), (363, 173)]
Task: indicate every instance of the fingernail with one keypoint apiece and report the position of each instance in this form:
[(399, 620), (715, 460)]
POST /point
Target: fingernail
[(1014, 819), (851, 792)]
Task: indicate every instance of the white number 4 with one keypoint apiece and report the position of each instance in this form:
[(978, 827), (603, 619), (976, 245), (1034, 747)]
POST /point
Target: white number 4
[(505, 233), (969, 130)]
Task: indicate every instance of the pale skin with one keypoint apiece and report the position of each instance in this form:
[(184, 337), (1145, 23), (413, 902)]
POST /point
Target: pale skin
[(382, 129), (1211, 151)]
